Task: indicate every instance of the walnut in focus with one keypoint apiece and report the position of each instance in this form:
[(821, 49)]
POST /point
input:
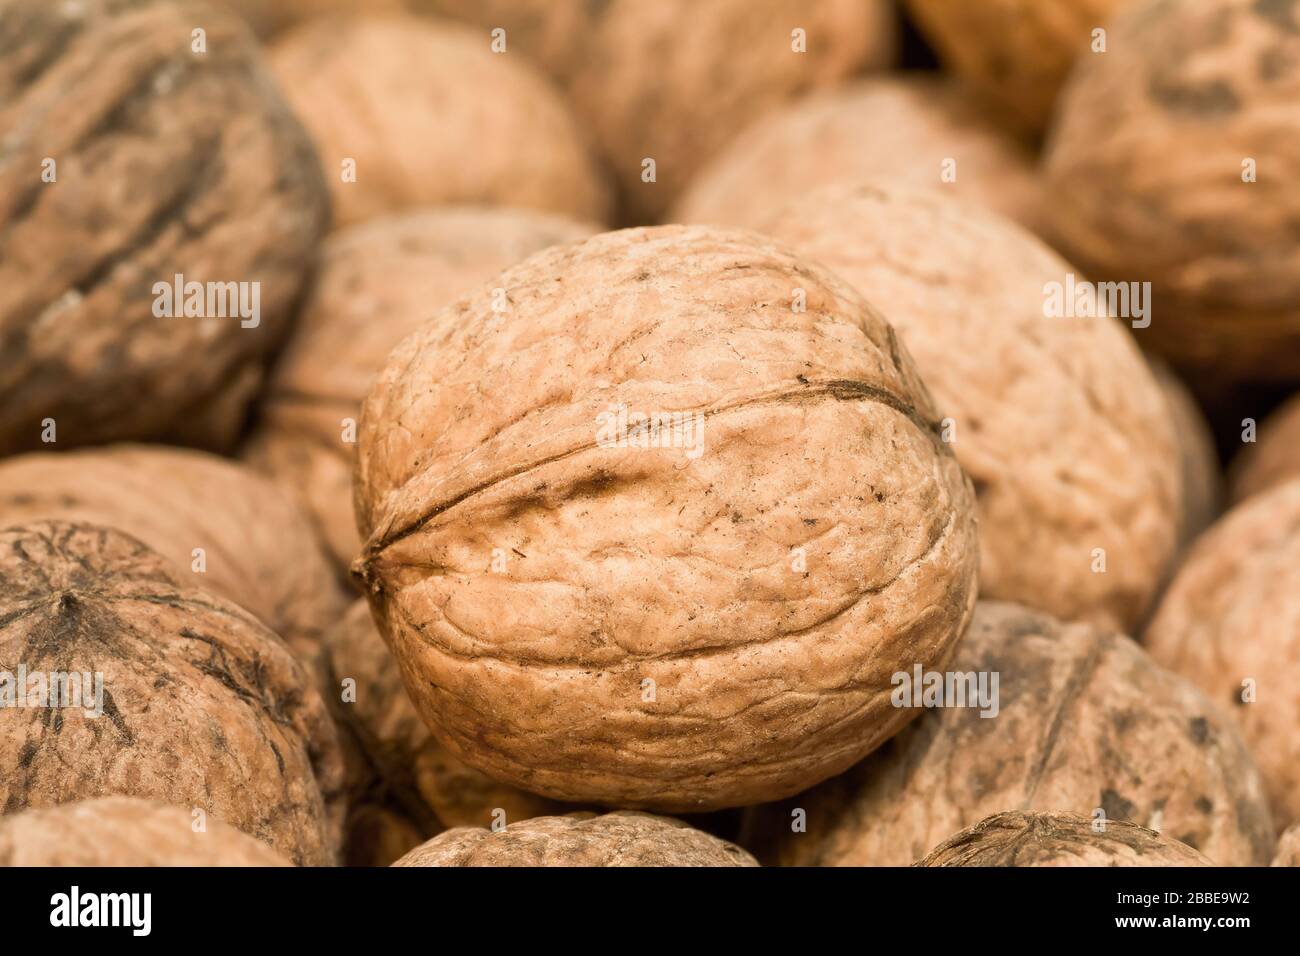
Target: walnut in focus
[(623, 838), (411, 112), (1060, 839), (125, 831), (167, 163), (194, 702), (376, 283), (697, 616)]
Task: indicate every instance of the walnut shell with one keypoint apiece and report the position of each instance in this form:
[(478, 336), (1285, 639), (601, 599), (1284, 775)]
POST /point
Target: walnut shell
[(402, 96), (898, 130), (1231, 615), (1016, 53), (1059, 839), (1058, 421), (376, 283), (379, 836), (168, 163), (1145, 167), (125, 831), (624, 838), (1198, 458), (202, 706), (1274, 458), (399, 748), (1288, 848), (677, 628), (649, 88), (1085, 721), (259, 549), (269, 18)]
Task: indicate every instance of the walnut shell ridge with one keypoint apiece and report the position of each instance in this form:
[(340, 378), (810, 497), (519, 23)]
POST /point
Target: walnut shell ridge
[(401, 96), (1085, 721), (125, 831), (201, 705), (676, 628), (410, 765), (899, 130), (1015, 838), (1147, 164), (1230, 623), (375, 283), (260, 551), (624, 838), (167, 163), (1058, 421)]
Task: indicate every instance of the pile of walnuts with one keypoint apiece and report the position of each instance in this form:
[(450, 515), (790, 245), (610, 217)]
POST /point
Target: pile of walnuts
[(437, 433)]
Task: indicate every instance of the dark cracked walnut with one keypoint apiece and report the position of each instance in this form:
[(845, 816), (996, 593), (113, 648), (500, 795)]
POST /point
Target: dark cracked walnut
[(165, 692), (143, 147)]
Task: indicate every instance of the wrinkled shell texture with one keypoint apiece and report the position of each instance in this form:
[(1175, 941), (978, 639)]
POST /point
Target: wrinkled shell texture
[(580, 839), (1231, 614), (234, 194), (260, 551), (1059, 839), (1288, 848), (1198, 459), (124, 831), (1058, 421), (650, 88), (202, 706), (1145, 170), (1017, 53), (376, 283), (419, 772), (402, 96), (896, 130), (481, 446), (1274, 458), (1086, 720)]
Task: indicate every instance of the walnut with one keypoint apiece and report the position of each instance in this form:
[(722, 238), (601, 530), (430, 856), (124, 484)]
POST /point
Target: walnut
[(1017, 54), (1274, 458), (1198, 458), (580, 839), (258, 549), (119, 174), (910, 131), (1172, 161), (376, 283), (1059, 839), (1057, 420), (125, 831), (409, 112), (698, 612), (1288, 848), (1085, 721), (402, 757), (165, 692), (1230, 623)]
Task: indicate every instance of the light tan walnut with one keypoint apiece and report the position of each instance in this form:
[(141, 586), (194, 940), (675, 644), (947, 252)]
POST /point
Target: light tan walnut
[(699, 613), (1274, 458), (580, 839), (1230, 623)]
